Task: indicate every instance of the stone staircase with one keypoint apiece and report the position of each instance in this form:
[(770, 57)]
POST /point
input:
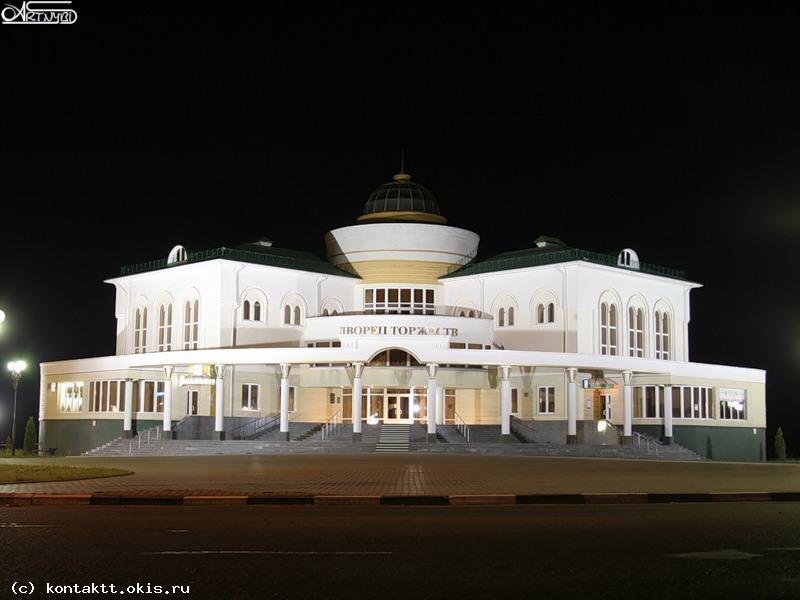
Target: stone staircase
[(393, 438)]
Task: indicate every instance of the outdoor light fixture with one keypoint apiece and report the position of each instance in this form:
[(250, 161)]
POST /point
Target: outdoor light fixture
[(16, 367), (2, 316)]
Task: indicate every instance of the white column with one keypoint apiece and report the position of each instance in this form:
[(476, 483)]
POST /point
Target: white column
[(627, 407), (358, 371), (127, 421), (667, 414), (219, 391), (168, 403), (430, 406), (572, 406), (440, 405), (285, 369), (505, 402)]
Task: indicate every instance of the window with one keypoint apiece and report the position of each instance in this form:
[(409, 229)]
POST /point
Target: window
[(292, 314), (106, 396), (70, 397), (687, 402), (608, 328), (249, 396), (256, 311), (331, 344), (628, 258), (246, 310), (501, 317), (191, 324), (732, 404), (545, 313), (176, 255), (662, 335), (635, 332), (160, 394), (146, 396), (140, 330), (394, 358), (165, 327), (402, 301), (292, 396), (547, 400), (514, 401)]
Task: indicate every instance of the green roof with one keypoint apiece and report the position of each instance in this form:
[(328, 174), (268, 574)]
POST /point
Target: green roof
[(251, 253), (555, 253)]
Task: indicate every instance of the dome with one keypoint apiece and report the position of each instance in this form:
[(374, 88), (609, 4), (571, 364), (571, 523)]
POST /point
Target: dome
[(402, 200)]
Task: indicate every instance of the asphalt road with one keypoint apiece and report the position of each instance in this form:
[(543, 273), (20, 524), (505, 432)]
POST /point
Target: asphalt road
[(742, 550)]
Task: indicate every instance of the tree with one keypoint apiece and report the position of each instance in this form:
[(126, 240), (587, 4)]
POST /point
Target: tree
[(30, 441), (780, 445)]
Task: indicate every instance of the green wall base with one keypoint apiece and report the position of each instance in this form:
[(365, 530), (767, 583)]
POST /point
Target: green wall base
[(716, 443), (76, 436)]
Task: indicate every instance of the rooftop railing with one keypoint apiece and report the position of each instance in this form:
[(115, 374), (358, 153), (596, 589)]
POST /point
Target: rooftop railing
[(439, 310)]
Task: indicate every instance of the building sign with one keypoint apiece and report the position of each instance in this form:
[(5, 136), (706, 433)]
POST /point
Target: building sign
[(395, 330), (54, 12), (732, 395)]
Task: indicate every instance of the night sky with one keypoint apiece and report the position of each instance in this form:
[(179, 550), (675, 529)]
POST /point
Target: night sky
[(132, 131)]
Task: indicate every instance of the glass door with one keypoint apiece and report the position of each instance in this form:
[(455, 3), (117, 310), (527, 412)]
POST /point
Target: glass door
[(192, 401)]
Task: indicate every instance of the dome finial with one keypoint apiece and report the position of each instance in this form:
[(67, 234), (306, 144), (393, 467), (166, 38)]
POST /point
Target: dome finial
[(402, 175)]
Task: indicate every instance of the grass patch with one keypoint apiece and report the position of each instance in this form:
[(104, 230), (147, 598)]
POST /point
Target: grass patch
[(39, 473)]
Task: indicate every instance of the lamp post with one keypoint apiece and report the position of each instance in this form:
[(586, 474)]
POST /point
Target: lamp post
[(16, 367)]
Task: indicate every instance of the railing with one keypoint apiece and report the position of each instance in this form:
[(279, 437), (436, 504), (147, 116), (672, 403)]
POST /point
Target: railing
[(437, 310), (332, 426), (527, 432), (560, 256), (648, 443), (263, 258), (148, 434), (462, 427), (255, 427)]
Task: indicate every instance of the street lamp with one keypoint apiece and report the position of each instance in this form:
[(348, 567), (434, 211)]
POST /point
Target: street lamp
[(16, 367)]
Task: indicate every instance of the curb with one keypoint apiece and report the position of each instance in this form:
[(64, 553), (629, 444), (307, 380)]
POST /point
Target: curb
[(158, 499)]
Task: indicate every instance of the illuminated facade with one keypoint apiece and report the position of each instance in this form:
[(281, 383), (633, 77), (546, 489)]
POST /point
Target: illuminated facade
[(402, 316)]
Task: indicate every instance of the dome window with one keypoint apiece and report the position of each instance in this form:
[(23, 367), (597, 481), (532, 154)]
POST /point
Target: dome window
[(176, 255), (628, 258)]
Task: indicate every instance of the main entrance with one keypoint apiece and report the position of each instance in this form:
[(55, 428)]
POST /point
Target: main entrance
[(396, 405)]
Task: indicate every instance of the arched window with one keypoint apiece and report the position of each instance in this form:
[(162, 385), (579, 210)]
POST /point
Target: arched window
[(501, 317), (256, 311), (165, 327), (510, 316), (191, 324), (545, 313), (628, 258), (324, 312), (176, 255), (635, 332), (662, 335), (246, 310), (287, 315), (334, 312), (140, 330), (609, 316), (471, 314), (297, 315)]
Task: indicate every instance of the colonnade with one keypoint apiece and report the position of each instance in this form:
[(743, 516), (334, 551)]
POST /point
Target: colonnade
[(435, 400)]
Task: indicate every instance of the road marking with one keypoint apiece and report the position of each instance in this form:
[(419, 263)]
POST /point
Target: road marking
[(304, 552), (716, 555), (20, 525)]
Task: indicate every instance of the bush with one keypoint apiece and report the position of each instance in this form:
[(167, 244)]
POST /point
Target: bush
[(30, 442), (780, 445)]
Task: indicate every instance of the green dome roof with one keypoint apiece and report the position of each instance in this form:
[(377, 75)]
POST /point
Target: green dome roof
[(402, 200)]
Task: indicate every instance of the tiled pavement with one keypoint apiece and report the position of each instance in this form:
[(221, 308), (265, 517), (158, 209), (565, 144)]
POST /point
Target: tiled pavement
[(414, 474)]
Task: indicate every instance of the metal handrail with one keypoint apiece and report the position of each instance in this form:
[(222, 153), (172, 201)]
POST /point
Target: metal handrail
[(639, 437), (462, 427), (517, 422), (140, 436), (255, 427), (333, 425)]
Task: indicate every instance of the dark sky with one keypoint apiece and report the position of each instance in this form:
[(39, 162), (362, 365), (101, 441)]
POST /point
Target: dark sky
[(152, 124)]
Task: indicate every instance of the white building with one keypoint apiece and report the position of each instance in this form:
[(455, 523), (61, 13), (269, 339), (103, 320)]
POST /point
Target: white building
[(402, 315)]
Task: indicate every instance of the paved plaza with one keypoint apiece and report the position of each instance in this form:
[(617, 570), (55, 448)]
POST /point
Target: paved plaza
[(414, 474)]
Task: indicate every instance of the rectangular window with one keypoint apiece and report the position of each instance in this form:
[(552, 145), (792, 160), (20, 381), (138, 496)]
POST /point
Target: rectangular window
[(292, 396), (331, 398), (732, 404), (514, 402), (547, 400), (406, 300), (70, 396), (160, 394), (250, 396)]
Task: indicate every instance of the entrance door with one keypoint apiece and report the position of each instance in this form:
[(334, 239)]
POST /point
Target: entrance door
[(192, 402), (607, 406), (602, 407), (397, 408)]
